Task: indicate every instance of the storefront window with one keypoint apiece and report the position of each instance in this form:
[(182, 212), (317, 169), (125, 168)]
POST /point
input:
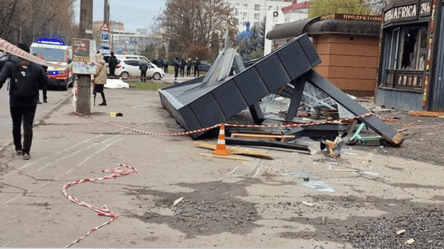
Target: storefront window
[(405, 57)]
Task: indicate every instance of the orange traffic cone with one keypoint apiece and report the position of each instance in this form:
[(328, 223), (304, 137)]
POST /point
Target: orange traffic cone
[(221, 149)]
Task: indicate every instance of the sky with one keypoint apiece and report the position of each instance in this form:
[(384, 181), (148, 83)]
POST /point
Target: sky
[(133, 13)]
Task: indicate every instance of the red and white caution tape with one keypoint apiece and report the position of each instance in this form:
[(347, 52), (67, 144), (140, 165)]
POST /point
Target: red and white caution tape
[(422, 126), (102, 211), (186, 133)]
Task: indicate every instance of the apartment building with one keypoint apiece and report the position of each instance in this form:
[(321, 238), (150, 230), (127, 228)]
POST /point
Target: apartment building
[(254, 11)]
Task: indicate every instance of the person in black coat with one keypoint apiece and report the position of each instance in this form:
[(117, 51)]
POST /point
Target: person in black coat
[(189, 65), (196, 67), (143, 68), (112, 62), (176, 67), (182, 67), (165, 66), (23, 107)]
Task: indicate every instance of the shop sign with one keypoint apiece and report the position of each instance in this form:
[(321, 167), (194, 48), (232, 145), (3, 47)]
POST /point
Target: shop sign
[(401, 13), (425, 9)]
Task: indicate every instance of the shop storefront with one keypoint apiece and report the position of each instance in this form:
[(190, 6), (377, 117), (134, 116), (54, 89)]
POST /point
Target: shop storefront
[(411, 59)]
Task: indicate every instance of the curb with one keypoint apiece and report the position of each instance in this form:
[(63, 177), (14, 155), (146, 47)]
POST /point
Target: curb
[(37, 123)]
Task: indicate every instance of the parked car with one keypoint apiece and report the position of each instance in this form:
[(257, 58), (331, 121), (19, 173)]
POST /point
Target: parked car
[(130, 68), (204, 66)]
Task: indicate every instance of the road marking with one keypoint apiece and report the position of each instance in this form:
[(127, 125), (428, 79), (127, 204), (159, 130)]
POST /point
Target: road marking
[(233, 170), (63, 158), (6, 245), (84, 161), (13, 199), (258, 168)]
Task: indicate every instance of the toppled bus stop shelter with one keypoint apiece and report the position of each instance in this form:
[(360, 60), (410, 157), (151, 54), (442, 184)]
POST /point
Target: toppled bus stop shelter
[(202, 103)]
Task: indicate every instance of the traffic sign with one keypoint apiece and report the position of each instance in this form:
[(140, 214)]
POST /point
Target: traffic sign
[(104, 27), (105, 36)]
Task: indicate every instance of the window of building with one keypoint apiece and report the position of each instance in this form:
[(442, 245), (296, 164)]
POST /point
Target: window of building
[(245, 14), (236, 12), (257, 7), (257, 16), (245, 5), (404, 59)]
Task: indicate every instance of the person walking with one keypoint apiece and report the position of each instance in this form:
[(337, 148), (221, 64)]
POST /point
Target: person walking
[(182, 67), (196, 67), (165, 66), (44, 87), (25, 78), (189, 65), (176, 67), (99, 79), (143, 68), (112, 62)]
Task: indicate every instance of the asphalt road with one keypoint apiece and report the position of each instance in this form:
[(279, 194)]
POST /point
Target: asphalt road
[(253, 203)]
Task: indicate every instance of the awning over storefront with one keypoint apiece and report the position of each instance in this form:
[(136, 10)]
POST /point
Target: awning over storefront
[(291, 29), (345, 27), (316, 26)]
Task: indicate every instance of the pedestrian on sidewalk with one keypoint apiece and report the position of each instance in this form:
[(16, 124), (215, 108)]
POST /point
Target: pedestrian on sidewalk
[(112, 64), (176, 67), (143, 68), (182, 67), (99, 79), (165, 65), (196, 67), (25, 78), (43, 88), (189, 65)]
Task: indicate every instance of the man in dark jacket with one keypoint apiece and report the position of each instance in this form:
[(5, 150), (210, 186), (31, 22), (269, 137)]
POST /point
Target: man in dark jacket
[(112, 62), (143, 68), (165, 66), (196, 67), (176, 67), (182, 67), (23, 108), (189, 65)]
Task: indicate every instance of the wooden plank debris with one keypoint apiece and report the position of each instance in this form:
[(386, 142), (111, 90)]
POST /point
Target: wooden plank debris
[(426, 114), (225, 157), (235, 151)]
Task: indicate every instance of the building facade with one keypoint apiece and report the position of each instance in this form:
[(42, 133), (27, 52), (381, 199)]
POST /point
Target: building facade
[(254, 11), (411, 74), (126, 42)]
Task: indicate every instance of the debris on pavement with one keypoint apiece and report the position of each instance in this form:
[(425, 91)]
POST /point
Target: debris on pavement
[(235, 151), (426, 114), (308, 204), (400, 232), (177, 201), (410, 241), (292, 146), (224, 157), (334, 147)]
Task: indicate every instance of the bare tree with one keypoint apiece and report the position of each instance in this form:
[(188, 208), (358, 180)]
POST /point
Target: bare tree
[(187, 23), (26, 20)]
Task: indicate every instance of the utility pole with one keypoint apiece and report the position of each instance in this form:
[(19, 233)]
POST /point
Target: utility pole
[(84, 80)]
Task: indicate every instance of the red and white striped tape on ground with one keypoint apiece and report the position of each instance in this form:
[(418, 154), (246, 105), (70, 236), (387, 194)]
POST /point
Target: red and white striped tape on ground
[(186, 133), (421, 126), (102, 211)]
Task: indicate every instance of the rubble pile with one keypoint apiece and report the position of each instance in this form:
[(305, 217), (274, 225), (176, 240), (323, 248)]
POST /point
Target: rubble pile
[(424, 228)]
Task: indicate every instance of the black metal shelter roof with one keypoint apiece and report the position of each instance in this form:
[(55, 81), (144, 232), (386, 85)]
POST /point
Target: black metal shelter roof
[(315, 26)]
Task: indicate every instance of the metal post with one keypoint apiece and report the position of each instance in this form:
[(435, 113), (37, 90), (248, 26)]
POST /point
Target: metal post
[(84, 81)]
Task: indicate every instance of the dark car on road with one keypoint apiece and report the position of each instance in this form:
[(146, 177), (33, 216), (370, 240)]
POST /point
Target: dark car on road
[(204, 66)]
